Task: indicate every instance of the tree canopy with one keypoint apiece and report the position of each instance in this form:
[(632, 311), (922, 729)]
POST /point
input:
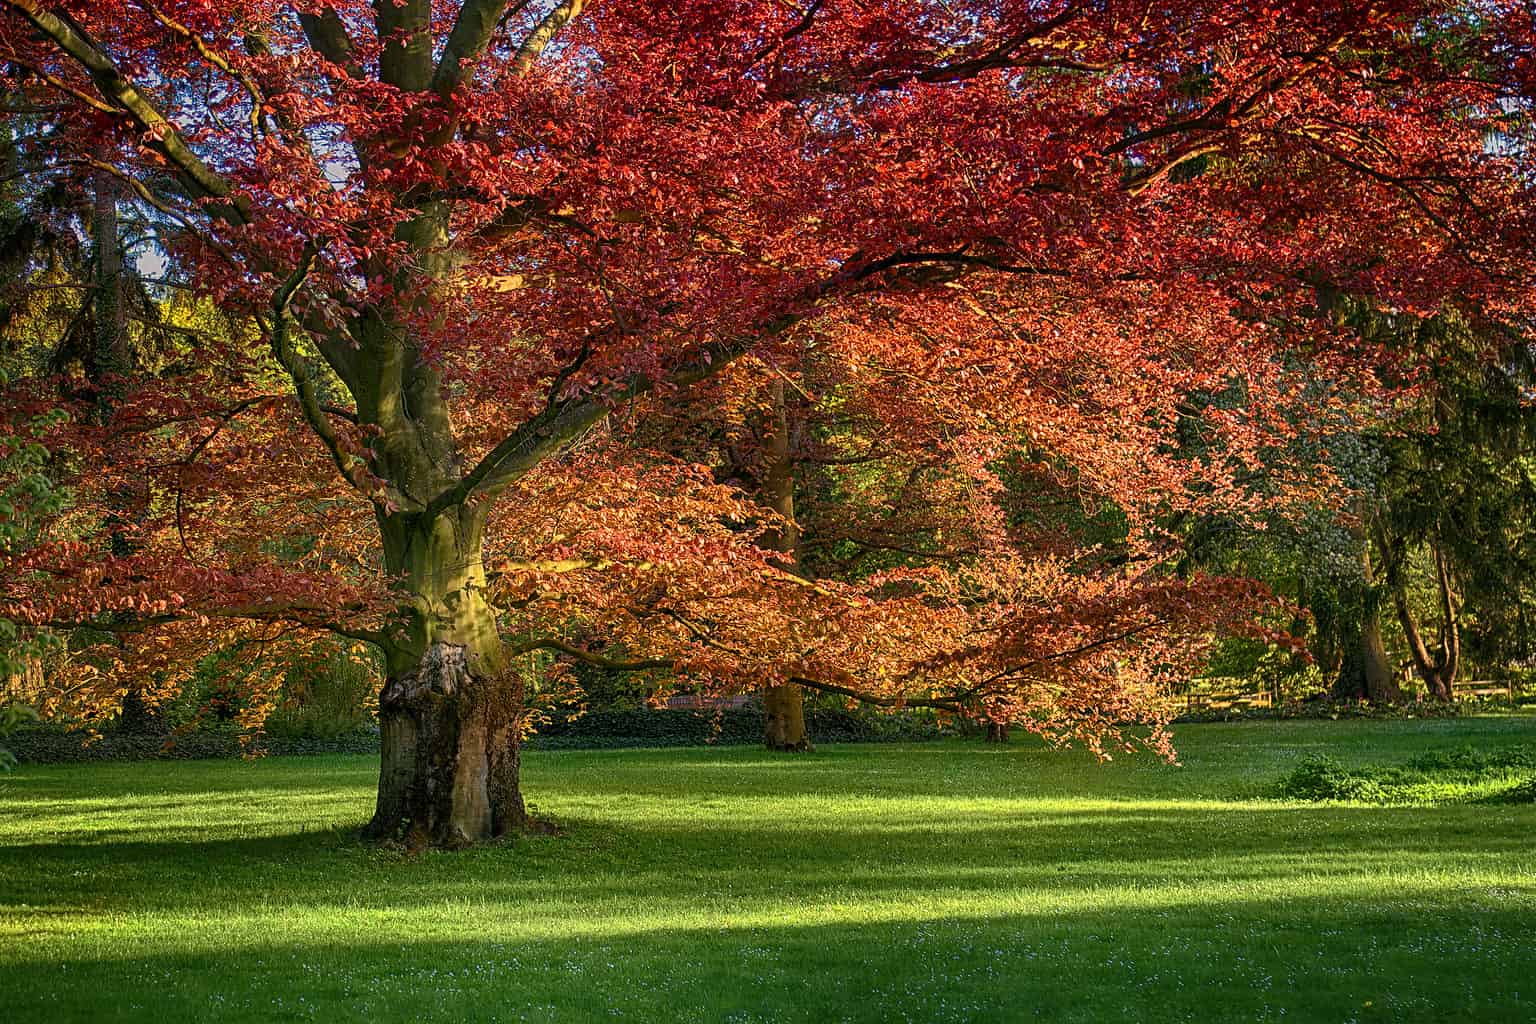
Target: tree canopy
[(473, 261)]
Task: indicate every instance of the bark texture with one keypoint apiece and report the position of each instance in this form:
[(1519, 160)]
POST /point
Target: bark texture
[(784, 719), (1365, 672), (448, 713), (449, 771)]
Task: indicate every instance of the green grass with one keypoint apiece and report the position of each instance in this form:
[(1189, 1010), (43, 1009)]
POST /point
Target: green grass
[(934, 882)]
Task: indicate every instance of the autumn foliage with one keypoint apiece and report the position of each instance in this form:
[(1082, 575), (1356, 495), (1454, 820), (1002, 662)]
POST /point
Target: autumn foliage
[(512, 299)]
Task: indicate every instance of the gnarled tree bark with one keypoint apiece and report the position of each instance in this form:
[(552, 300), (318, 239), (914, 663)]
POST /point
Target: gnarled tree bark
[(448, 713)]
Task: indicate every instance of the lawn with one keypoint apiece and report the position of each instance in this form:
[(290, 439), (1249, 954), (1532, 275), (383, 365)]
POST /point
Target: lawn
[(935, 882)]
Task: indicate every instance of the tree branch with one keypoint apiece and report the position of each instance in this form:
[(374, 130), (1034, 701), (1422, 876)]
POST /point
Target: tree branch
[(160, 136), (544, 33), (471, 34), (353, 469), (590, 657), (328, 37)]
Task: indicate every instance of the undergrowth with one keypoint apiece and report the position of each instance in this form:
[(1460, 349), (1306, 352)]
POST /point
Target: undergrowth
[(1459, 775)]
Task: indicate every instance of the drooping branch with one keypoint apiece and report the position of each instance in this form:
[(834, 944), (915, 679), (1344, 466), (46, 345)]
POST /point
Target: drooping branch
[(589, 657), (940, 703)]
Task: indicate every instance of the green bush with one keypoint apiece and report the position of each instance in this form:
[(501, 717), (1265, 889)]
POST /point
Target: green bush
[(1521, 793), (330, 695), (1323, 778), (1470, 761), (1439, 776), (12, 717)]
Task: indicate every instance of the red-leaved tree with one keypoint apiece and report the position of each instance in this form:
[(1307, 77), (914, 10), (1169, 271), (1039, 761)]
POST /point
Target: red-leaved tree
[(468, 232)]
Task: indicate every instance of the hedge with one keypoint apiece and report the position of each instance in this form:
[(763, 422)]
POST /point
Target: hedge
[(609, 729)]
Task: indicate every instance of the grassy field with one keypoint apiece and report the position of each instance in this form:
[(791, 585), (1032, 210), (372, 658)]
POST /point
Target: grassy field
[(937, 882)]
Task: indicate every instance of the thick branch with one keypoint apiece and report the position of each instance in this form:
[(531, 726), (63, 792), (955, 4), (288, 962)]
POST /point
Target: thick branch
[(404, 28), (544, 33), (353, 469), (941, 703), (470, 36), (590, 657), (328, 37)]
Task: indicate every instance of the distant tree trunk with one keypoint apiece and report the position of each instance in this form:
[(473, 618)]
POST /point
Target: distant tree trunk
[(997, 732), (1437, 669), (784, 705), (108, 365), (1365, 672), (449, 708), (784, 719)]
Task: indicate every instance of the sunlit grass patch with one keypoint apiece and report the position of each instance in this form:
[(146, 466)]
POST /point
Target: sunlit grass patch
[(935, 882)]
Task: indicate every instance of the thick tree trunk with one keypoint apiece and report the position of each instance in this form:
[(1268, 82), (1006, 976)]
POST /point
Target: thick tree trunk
[(449, 771), (1375, 669), (997, 732), (1365, 672), (784, 719), (448, 713)]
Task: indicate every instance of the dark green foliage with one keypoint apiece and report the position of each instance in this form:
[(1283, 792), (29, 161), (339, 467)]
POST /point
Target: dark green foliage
[(647, 727), (1337, 709), (52, 745), (1457, 775), (1470, 760), (1322, 778), (12, 717), (594, 731)]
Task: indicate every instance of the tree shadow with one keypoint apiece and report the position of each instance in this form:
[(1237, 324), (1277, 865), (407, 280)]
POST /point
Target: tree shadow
[(1222, 961)]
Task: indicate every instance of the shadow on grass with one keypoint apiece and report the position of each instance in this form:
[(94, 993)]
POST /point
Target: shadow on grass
[(1084, 851), (1225, 961)]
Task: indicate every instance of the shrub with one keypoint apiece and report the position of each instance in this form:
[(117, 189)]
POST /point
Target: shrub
[(1470, 761), (335, 694), (1323, 778), (1521, 793), (12, 717)]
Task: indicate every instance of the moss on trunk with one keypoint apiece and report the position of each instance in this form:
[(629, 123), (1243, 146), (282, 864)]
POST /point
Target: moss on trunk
[(448, 713)]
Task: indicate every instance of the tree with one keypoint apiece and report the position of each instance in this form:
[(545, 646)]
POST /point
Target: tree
[(488, 226)]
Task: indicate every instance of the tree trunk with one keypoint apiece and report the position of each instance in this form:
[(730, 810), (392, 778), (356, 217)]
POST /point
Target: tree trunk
[(1375, 669), (997, 732), (448, 713), (783, 706), (784, 719), (1438, 670), (1366, 673), (449, 771)]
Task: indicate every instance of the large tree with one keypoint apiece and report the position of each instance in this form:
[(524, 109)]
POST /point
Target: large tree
[(470, 231)]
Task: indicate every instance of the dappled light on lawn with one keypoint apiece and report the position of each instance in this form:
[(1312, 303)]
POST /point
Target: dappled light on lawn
[(941, 881)]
